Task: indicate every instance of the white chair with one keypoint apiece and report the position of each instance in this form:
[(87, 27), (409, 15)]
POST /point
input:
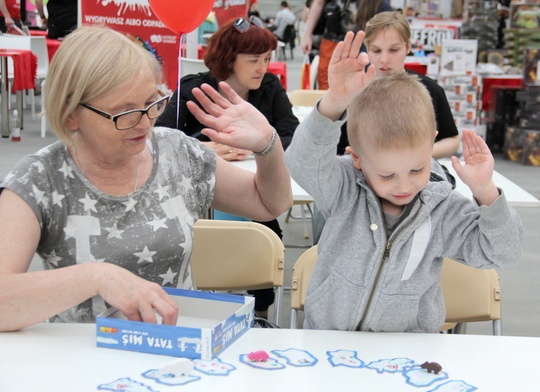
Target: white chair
[(39, 48), (189, 66)]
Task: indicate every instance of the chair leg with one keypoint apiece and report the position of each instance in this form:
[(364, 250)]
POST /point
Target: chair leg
[(497, 327), (277, 305), (460, 328)]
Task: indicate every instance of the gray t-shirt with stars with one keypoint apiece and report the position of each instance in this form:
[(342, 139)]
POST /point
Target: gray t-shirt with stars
[(149, 232)]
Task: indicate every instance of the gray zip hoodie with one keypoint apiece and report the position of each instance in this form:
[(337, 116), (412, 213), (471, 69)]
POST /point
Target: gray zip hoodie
[(365, 281)]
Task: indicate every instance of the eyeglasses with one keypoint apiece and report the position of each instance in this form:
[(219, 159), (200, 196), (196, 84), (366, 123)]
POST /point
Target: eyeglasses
[(242, 25), (131, 118)]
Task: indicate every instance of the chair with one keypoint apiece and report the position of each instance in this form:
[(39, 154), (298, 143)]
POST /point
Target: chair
[(38, 46), (189, 66), (470, 294), (236, 255), (305, 97), (289, 37), (300, 280)]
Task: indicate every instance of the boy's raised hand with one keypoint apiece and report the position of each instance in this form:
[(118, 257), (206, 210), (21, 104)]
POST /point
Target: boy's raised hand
[(477, 172), (347, 75)]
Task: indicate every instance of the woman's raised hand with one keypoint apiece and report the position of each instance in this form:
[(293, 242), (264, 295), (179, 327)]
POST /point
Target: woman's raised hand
[(230, 119)]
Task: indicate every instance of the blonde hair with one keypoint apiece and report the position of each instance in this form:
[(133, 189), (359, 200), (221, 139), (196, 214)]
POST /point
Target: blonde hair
[(393, 111), (386, 20), (91, 62)]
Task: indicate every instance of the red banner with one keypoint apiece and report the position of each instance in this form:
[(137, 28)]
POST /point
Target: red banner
[(136, 19)]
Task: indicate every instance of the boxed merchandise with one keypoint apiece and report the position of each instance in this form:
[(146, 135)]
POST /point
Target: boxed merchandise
[(513, 144), (531, 148), (207, 324)]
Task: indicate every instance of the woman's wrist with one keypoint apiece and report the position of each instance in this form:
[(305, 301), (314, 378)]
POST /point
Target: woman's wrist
[(270, 146)]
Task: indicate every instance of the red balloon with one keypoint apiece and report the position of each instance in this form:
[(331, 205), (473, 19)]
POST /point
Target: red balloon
[(182, 16)]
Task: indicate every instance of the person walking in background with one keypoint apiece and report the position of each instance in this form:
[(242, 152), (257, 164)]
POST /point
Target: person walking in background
[(284, 17), (341, 16), (239, 54), (10, 15), (62, 17), (317, 32)]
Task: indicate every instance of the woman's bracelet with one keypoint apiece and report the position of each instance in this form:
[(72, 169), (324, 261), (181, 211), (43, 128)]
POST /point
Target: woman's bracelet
[(270, 146)]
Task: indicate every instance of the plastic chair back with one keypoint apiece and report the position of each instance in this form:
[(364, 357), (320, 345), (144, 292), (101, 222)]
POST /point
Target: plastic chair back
[(300, 280), (305, 97), (238, 255), (39, 48), (470, 294)]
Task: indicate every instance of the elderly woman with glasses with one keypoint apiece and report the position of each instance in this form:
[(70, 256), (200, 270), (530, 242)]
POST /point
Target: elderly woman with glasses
[(239, 54), (110, 207)]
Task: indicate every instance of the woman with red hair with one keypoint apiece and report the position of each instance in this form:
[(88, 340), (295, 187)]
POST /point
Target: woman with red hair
[(239, 54)]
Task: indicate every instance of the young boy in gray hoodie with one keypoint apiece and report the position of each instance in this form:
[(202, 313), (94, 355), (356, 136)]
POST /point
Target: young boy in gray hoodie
[(388, 227)]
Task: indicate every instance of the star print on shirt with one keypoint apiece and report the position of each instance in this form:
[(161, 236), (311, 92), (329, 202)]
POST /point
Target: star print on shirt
[(145, 255), (168, 277), (57, 198), (186, 183), (199, 152), (52, 259), (157, 223), (162, 191), (66, 170), (40, 196), (130, 204), (114, 232), (89, 203), (39, 166)]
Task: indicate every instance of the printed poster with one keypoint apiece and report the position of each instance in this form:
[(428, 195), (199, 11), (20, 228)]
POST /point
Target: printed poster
[(136, 19)]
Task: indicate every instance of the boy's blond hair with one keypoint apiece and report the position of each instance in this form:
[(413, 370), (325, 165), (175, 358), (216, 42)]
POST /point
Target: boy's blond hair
[(387, 20), (394, 111)]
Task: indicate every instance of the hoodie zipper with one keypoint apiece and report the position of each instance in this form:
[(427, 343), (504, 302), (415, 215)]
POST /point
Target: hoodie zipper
[(385, 257)]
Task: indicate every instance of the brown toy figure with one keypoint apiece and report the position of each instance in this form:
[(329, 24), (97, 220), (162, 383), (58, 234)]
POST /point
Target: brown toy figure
[(431, 367)]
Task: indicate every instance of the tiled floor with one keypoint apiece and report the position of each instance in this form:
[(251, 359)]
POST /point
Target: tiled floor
[(520, 286)]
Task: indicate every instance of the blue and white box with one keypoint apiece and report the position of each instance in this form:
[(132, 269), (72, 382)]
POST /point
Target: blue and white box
[(207, 324)]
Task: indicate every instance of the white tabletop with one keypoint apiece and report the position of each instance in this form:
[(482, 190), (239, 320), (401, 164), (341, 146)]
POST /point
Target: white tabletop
[(299, 194), (516, 196), (64, 357)]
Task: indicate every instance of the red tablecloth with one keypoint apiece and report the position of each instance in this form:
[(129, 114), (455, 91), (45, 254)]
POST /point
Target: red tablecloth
[(52, 47), (25, 67), (279, 68)]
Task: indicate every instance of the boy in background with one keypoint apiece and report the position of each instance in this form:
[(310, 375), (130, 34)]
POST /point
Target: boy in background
[(388, 227)]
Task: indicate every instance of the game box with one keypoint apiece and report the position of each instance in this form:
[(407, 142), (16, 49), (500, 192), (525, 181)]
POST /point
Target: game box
[(207, 324)]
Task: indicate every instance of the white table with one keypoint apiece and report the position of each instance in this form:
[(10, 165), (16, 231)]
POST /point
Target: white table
[(56, 357), (299, 194), (516, 196)]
